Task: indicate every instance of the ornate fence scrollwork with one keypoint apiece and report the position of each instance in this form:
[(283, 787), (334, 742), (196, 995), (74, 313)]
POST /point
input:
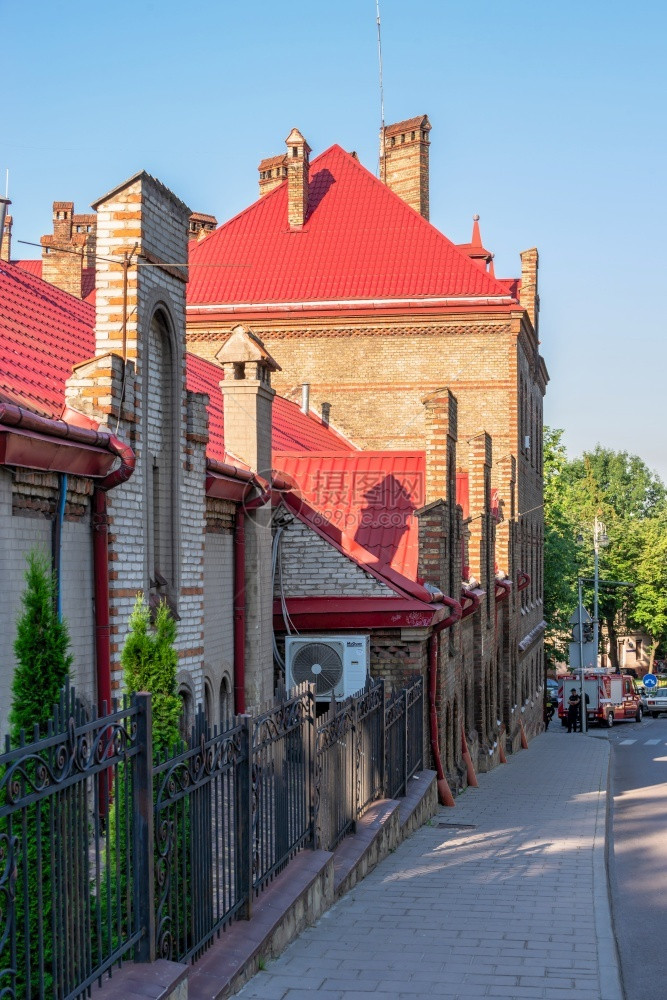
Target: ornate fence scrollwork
[(196, 841), (228, 813), (66, 851)]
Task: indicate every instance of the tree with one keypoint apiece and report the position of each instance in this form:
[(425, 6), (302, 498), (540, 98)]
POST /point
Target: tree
[(43, 660), (149, 663), (619, 489), (560, 549), (42, 652)]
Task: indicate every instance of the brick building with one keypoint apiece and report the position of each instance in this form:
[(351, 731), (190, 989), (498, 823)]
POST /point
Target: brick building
[(415, 519), (407, 341), (115, 458)]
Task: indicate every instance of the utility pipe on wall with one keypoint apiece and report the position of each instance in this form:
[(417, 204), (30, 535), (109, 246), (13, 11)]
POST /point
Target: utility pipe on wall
[(101, 566)]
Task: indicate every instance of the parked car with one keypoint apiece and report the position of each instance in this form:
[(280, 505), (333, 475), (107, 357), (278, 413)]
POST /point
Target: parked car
[(656, 701), (552, 692), (643, 695)]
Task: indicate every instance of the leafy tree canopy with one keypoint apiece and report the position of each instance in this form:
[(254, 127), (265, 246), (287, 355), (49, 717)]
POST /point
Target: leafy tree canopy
[(631, 501), (42, 652)]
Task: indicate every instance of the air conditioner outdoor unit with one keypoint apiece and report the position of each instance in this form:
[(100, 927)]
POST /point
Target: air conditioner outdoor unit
[(337, 665)]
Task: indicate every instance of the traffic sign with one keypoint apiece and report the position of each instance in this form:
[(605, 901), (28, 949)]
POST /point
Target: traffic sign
[(650, 680)]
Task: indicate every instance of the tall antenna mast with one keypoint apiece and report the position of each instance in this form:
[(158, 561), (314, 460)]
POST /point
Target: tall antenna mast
[(377, 8)]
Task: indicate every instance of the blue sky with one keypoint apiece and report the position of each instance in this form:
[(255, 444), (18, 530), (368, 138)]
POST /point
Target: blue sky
[(548, 120)]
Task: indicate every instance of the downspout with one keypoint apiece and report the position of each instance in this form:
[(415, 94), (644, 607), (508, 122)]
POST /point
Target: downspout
[(239, 595), (101, 567), (444, 791)]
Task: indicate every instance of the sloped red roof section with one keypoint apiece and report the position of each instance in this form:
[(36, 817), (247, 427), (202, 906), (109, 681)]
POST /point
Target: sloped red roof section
[(370, 496), (360, 241), (44, 332), (292, 429)]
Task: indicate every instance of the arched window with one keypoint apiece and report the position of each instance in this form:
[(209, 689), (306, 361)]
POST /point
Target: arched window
[(162, 414), (226, 705), (188, 713), (209, 704)]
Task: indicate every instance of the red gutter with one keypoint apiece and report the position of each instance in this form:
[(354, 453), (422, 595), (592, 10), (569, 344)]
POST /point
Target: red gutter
[(473, 598), (444, 791), (506, 587), (39, 429), (523, 580)]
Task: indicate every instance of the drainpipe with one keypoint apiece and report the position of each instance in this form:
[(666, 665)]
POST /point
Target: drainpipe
[(444, 791), (239, 591), (101, 566)]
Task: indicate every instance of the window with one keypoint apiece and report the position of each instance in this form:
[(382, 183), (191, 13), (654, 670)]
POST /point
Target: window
[(162, 414)]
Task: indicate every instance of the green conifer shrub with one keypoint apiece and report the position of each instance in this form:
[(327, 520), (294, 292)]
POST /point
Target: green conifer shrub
[(43, 661)]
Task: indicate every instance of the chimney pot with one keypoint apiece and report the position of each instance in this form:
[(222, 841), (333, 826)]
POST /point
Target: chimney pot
[(404, 166), (305, 398), (298, 168)]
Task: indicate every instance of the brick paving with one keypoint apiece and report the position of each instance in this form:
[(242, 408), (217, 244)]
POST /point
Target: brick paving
[(513, 905)]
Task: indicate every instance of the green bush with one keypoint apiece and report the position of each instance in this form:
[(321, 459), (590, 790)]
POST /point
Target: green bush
[(42, 666)]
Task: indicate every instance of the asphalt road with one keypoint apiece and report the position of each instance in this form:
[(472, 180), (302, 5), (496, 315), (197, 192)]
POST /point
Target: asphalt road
[(638, 854)]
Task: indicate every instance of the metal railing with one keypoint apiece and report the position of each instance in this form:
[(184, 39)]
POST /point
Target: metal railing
[(201, 839), (404, 752), (66, 907), (105, 853), (283, 751)]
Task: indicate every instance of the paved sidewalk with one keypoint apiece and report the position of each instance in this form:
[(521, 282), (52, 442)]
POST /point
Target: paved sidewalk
[(514, 906)]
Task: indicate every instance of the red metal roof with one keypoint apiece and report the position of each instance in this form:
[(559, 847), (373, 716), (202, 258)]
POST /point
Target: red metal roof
[(31, 266), (44, 332), (360, 242), (370, 496)]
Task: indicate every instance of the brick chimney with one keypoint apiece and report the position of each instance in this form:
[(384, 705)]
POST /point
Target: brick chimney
[(247, 400), (298, 166), (272, 172), (404, 161), (70, 250), (528, 296), (200, 225), (6, 250)]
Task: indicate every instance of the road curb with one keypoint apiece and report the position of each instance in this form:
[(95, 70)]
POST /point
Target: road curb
[(611, 985)]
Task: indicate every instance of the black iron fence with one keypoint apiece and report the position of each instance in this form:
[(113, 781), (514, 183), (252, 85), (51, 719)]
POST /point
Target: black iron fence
[(105, 853), (67, 912), (404, 721)]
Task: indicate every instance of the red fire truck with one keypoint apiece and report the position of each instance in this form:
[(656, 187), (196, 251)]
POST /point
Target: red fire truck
[(611, 697)]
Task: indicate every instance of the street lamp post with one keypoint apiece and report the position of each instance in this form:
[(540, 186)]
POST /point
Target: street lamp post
[(582, 707), (600, 539)]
